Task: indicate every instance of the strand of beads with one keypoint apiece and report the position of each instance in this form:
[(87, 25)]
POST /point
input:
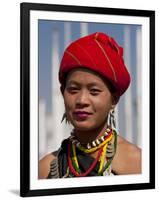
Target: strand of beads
[(102, 158), (109, 159), (71, 164), (96, 144), (107, 139), (108, 146)]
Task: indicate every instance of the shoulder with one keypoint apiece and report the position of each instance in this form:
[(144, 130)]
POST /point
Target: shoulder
[(127, 159), (44, 165)]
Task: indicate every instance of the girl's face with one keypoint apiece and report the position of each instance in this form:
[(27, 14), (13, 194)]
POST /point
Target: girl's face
[(87, 100)]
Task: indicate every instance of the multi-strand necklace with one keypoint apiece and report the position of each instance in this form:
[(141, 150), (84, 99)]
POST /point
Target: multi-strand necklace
[(106, 146)]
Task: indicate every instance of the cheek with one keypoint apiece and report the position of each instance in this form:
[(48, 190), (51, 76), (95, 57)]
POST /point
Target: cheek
[(68, 101), (103, 105)]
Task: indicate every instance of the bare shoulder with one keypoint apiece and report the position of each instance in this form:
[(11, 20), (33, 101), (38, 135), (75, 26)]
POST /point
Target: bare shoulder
[(44, 165), (127, 159)]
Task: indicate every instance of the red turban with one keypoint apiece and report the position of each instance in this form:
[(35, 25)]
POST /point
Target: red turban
[(100, 53)]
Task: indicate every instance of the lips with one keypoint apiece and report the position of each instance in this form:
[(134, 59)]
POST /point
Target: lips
[(81, 114)]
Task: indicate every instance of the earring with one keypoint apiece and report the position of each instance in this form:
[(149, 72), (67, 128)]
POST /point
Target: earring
[(64, 117), (111, 119)]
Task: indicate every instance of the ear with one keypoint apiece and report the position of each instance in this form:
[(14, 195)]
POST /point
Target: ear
[(115, 100), (113, 106)]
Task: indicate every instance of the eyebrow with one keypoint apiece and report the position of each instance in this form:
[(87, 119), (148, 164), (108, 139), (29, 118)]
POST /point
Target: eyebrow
[(79, 84)]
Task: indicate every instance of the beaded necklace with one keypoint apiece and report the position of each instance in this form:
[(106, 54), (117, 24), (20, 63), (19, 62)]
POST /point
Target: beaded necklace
[(96, 144), (78, 173), (101, 156)]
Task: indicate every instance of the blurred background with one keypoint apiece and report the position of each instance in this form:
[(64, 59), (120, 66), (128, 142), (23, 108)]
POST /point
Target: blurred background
[(53, 37)]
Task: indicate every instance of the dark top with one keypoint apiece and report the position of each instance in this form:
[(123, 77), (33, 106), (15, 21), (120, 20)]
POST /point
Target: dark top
[(58, 167)]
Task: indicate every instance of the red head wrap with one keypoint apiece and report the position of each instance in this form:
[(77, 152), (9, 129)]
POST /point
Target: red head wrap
[(100, 53)]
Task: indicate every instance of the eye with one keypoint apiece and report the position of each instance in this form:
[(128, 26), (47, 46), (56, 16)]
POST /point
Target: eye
[(95, 91), (72, 89)]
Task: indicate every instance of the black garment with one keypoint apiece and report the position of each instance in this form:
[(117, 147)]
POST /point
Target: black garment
[(84, 161)]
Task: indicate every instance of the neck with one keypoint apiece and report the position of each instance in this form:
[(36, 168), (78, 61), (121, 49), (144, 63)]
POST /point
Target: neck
[(88, 136)]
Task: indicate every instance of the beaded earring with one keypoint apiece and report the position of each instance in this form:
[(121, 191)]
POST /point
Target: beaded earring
[(111, 119)]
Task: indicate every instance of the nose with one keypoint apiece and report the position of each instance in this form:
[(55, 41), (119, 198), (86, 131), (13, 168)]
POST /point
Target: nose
[(82, 99)]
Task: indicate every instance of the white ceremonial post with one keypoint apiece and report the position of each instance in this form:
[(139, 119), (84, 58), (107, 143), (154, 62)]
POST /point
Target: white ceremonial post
[(67, 34), (57, 101), (67, 128), (84, 29), (128, 95)]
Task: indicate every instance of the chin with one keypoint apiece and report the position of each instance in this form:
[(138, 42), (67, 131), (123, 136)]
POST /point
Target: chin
[(81, 126)]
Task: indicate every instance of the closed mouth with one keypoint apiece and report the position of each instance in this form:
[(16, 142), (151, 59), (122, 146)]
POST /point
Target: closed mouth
[(81, 115)]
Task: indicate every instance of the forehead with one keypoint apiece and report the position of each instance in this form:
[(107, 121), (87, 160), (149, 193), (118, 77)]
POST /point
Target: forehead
[(84, 76)]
